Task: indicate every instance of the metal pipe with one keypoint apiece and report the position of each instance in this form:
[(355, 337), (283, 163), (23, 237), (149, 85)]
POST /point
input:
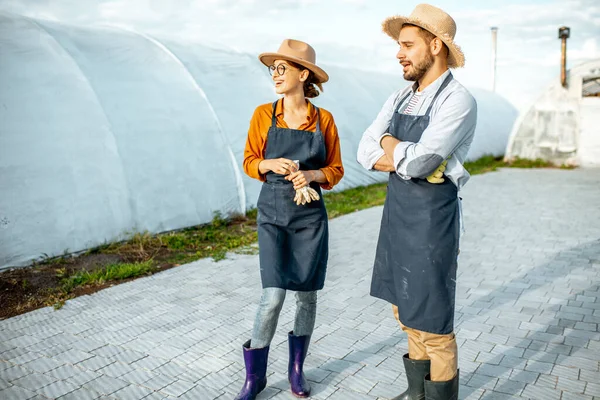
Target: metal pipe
[(494, 52), (563, 34)]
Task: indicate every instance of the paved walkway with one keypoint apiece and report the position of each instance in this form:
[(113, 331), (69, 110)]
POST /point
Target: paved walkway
[(528, 311)]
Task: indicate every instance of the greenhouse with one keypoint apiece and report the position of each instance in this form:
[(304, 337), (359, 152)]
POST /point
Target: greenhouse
[(562, 125), (107, 131)]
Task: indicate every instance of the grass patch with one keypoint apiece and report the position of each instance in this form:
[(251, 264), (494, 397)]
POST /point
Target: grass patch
[(492, 163), (112, 272), (70, 284), (351, 200)]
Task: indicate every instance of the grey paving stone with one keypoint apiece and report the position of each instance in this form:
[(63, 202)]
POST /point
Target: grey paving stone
[(138, 377), (565, 372), (57, 389), (95, 363), (357, 384), (34, 381), (17, 393), (547, 380), (378, 374), (25, 358), (592, 389), (494, 370), (107, 351), (178, 388), (541, 392), (203, 392), (116, 369), (576, 396), (539, 366), (510, 387), (83, 377), (479, 381), (158, 382), (72, 356), (43, 364), (170, 369), (4, 384), (132, 392), (317, 374), (65, 371), (149, 363), (105, 385), (579, 362), (524, 376), (527, 315), (571, 385), (81, 394), (342, 394)]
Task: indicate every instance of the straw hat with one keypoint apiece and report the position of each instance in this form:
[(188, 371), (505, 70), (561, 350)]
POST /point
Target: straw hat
[(433, 20), (298, 52)]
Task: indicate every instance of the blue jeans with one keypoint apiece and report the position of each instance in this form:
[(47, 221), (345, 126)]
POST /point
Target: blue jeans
[(268, 311)]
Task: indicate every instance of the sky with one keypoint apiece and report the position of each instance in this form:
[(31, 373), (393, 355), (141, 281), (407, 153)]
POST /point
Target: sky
[(348, 32)]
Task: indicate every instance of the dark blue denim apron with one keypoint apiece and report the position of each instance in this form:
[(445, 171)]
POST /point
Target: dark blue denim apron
[(293, 239), (416, 260)]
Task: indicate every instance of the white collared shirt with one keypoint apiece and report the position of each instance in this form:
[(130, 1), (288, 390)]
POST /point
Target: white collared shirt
[(450, 132)]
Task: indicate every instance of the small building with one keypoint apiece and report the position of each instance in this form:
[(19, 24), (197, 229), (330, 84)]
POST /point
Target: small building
[(563, 125)]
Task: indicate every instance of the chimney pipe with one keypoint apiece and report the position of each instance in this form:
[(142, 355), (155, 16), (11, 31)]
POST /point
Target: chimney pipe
[(563, 33), (494, 50)]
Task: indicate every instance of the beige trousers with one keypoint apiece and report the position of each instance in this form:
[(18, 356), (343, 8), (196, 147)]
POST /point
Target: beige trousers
[(440, 349)]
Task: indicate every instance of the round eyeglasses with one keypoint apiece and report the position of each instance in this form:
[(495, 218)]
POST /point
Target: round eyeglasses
[(281, 69)]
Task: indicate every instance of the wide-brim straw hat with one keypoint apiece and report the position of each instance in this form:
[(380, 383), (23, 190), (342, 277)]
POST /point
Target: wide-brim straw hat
[(298, 52), (431, 19)]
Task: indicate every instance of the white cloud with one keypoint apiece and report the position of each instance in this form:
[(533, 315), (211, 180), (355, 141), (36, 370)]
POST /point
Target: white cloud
[(528, 47), (590, 50)]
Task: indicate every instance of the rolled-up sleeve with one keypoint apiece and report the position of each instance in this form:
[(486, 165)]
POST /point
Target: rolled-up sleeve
[(254, 151), (453, 123), (333, 170), (369, 150)]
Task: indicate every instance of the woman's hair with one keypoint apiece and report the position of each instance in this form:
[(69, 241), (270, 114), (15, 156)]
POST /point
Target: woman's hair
[(310, 84)]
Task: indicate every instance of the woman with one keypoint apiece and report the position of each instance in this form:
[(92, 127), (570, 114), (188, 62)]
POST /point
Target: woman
[(292, 238)]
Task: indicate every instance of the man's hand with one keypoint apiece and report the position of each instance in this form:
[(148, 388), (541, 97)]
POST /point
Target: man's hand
[(388, 143), (438, 175), (384, 165)]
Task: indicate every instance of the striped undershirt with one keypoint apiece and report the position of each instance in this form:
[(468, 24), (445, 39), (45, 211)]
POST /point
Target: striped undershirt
[(412, 103)]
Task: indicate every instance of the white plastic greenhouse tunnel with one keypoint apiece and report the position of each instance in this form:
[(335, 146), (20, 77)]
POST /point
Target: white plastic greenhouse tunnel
[(562, 125), (106, 132)]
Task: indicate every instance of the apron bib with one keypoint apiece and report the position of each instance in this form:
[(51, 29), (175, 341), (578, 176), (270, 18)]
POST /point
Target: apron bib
[(416, 260), (293, 240)]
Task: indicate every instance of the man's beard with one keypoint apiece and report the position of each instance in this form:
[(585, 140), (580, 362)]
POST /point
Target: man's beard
[(419, 69)]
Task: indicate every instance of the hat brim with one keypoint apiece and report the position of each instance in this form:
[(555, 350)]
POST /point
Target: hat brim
[(393, 25), (269, 58)]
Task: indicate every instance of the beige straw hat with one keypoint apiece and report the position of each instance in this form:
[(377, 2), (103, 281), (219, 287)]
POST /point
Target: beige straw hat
[(298, 52), (433, 20)]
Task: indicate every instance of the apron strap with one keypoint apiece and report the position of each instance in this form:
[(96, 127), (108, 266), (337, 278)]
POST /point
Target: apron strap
[(444, 84), (400, 108), (318, 119), (274, 117), (402, 101)]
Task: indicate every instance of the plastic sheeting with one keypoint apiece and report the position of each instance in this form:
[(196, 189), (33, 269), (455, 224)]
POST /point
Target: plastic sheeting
[(562, 125), (106, 132)]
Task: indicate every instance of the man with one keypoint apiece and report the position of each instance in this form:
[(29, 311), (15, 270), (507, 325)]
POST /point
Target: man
[(422, 131)]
